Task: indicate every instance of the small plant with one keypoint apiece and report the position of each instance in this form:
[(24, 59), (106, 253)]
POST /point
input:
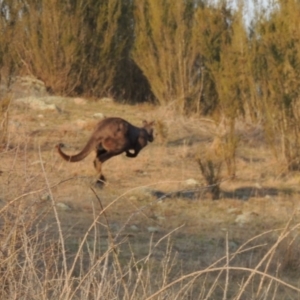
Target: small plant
[(222, 150), (211, 171)]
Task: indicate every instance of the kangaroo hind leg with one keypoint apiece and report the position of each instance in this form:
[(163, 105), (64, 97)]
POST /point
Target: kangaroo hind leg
[(98, 166), (102, 156)]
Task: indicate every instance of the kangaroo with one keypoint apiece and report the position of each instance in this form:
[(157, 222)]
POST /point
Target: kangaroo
[(111, 137)]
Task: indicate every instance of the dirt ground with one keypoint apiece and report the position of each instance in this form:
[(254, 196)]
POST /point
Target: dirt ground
[(151, 199)]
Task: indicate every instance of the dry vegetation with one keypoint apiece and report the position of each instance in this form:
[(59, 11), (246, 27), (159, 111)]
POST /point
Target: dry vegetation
[(196, 57), (147, 234), (227, 128)]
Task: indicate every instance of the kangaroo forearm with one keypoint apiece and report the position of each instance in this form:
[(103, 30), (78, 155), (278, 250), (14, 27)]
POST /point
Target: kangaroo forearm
[(129, 154)]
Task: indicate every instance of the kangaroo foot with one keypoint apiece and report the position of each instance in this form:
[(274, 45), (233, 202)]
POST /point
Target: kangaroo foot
[(101, 182)]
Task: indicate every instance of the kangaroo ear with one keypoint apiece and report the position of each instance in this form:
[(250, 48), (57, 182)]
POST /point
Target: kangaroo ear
[(145, 123)]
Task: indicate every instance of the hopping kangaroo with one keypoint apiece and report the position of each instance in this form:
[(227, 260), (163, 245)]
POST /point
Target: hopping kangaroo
[(111, 137)]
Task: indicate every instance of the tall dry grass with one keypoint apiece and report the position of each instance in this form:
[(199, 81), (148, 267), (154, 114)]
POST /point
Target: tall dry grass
[(39, 261), (4, 116)]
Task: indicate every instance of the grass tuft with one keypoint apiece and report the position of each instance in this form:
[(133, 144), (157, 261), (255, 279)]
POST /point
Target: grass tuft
[(4, 116)]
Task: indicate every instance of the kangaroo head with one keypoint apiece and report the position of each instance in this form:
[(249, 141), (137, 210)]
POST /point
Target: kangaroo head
[(148, 126)]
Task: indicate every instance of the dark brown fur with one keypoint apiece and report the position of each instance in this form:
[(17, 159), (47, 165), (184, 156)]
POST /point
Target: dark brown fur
[(111, 137)]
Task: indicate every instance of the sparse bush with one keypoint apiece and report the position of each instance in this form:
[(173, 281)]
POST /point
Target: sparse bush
[(211, 171), (224, 48), (276, 67), (71, 46), (166, 51)]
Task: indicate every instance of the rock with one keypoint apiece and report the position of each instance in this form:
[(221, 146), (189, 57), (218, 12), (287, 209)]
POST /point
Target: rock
[(134, 228), (145, 191), (233, 246), (79, 101), (46, 197), (81, 123), (245, 198), (54, 99), (245, 218), (114, 226), (258, 185), (191, 182), (62, 206), (234, 211), (36, 103), (153, 229), (27, 86), (99, 116), (106, 99)]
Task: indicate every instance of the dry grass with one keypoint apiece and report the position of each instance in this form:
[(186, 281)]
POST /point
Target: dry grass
[(147, 235), (4, 108)]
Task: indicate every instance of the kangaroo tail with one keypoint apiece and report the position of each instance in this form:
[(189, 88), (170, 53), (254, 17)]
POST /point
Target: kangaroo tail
[(78, 157)]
